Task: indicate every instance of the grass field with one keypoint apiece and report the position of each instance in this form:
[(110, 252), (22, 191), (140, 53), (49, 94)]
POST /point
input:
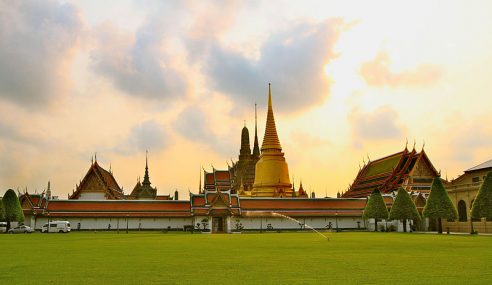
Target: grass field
[(286, 258)]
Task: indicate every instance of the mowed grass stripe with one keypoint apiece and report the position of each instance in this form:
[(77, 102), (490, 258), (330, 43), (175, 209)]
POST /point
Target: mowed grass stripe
[(293, 258)]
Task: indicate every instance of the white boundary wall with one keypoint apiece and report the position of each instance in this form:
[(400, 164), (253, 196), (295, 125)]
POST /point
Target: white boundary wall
[(232, 223), (277, 223), (115, 223)]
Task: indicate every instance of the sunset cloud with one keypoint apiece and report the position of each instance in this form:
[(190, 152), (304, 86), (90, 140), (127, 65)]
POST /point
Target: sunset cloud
[(138, 64), (149, 135), (380, 125), (37, 43), (293, 60), (377, 73), (194, 125)]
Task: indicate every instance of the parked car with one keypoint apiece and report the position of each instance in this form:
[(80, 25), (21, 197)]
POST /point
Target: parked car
[(56, 227), (3, 227), (21, 229)]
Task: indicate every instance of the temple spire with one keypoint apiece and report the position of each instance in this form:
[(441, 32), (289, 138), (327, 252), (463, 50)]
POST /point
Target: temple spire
[(256, 148), (270, 140), (245, 151), (146, 177), (271, 172), (48, 191)]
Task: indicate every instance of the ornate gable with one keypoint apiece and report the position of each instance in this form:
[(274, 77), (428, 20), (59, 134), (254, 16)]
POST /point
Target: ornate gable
[(98, 184), (93, 183), (424, 168)]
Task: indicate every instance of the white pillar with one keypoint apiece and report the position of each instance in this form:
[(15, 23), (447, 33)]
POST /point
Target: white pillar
[(228, 224)]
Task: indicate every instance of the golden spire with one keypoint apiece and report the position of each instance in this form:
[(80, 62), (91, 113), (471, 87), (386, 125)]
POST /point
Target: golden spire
[(270, 140)]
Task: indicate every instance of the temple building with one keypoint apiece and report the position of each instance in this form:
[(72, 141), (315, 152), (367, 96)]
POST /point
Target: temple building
[(411, 170), (255, 193), (100, 184), (272, 172)]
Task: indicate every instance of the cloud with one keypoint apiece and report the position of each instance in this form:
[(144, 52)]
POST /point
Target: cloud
[(139, 64), (37, 43), (194, 125), (148, 135), (292, 60), (377, 73), (382, 124)]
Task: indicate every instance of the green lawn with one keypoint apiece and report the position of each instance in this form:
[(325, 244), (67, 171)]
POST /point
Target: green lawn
[(286, 258)]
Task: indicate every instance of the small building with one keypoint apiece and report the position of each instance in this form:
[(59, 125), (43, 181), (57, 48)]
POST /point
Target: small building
[(462, 192)]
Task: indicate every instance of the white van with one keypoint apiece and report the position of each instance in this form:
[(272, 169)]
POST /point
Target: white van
[(3, 227), (56, 227)]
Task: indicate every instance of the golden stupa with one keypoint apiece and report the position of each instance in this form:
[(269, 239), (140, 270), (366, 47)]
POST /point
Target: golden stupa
[(272, 172)]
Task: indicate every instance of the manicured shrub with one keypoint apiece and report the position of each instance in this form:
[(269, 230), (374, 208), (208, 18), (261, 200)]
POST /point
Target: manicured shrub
[(404, 208), (12, 208), (375, 208), (482, 205), (439, 205)]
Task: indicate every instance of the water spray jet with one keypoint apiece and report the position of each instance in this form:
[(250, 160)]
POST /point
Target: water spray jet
[(275, 214)]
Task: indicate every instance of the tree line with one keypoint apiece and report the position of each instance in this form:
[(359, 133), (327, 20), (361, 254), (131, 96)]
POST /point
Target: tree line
[(438, 205)]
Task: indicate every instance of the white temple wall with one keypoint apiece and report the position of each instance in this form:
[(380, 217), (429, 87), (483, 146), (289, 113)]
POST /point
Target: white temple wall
[(233, 223), (90, 223), (274, 223)]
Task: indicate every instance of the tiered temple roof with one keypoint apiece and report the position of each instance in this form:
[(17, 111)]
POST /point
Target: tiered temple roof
[(98, 180), (409, 169), (215, 203), (218, 180), (33, 203)]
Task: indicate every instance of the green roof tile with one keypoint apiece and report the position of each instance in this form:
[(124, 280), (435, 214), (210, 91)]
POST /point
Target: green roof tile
[(382, 166)]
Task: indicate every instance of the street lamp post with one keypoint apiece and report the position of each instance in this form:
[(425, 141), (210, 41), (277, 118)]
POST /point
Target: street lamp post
[(336, 219)]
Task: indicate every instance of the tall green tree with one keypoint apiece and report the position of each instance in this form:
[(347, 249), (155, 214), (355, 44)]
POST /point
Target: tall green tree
[(375, 208), (404, 208), (439, 205), (482, 205), (12, 208)]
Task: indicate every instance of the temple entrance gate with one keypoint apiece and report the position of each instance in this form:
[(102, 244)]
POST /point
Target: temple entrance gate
[(218, 225)]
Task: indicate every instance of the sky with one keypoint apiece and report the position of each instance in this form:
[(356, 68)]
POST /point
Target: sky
[(351, 81)]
